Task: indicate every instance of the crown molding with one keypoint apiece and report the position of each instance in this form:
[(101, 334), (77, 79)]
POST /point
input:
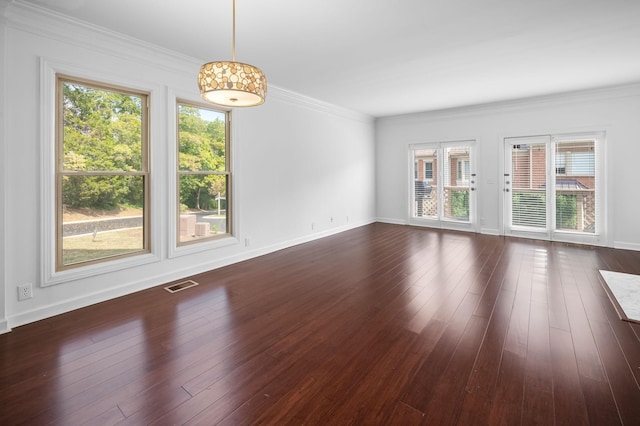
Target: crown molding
[(46, 23), (304, 101), (631, 89), (42, 22)]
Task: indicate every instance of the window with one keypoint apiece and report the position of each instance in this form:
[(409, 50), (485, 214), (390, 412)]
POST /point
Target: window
[(102, 175), (575, 187), (561, 163), (463, 172), (428, 170), (203, 173)]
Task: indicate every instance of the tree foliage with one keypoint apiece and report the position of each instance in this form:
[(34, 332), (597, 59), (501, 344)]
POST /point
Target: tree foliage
[(202, 149), (102, 133), (460, 204), (566, 211)]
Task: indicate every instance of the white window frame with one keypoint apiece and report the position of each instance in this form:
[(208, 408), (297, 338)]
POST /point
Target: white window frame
[(48, 274), (144, 173), (175, 249)]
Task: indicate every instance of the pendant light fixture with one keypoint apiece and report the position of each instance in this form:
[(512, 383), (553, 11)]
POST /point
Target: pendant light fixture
[(231, 83)]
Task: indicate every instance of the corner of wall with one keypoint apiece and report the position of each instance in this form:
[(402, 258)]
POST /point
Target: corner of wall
[(4, 326)]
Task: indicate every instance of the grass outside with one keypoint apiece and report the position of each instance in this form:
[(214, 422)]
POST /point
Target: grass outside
[(105, 244)]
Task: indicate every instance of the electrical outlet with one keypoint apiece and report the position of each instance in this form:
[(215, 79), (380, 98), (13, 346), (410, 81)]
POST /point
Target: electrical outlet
[(25, 291), (313, 225), (247, 242), (331, 219)]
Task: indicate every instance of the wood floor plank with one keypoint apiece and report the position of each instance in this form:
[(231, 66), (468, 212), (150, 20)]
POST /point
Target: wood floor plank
[(444, 407), (624, 387), (420, 391), (403, 415), (382, 324), (558, 316), (538, 403), (569, 404), (481, 386), (589, 363), (601, 407), (506, 406)]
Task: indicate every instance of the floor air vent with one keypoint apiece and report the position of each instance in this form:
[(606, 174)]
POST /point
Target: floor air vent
[(181, 286)]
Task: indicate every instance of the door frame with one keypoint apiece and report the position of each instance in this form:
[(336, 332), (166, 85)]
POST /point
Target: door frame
[(473, 224), (603, 182)]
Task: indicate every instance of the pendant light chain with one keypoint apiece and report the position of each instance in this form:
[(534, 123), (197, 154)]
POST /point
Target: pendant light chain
[(233, 39)]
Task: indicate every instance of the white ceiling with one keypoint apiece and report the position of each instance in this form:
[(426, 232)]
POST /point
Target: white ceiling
[(387, 57)]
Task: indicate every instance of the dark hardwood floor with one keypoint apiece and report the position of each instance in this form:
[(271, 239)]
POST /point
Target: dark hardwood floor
[(383, 324)]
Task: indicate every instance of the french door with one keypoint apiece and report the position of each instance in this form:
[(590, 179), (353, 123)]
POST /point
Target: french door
[(443, 185), (552, 187)]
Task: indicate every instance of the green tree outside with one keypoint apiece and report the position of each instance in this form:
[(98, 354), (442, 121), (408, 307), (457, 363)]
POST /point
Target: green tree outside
[(102, 133), (202, 149)]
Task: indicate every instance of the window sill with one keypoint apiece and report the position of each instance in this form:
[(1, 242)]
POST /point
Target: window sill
[(60, 277), (198, 247)]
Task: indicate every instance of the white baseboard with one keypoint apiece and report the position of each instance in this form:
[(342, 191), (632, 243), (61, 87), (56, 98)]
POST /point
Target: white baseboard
[(391, 221), (626, 246), (489, 231), (4, 326), (153, 281)]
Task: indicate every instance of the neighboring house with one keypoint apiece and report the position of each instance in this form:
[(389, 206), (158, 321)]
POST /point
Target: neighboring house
[(457, 174)]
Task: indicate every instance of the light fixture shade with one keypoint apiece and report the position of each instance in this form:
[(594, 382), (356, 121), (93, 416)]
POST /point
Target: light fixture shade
[(232, 84)]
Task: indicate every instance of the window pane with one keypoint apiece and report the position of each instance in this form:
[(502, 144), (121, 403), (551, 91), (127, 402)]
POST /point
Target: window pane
[(202, 139), (102, 216), (203, 207), (575, 186), (425, 203), (101, 172), (528, 195), (456, 189), (202, 194), (102, 129), (428, 170)]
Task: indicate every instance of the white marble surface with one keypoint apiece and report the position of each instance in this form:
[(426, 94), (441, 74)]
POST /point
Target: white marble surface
[(626, 289)]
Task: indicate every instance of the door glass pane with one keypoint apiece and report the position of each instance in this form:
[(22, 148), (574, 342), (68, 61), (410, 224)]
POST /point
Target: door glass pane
[(425, 201), (575, 186), (528, 194), (456, 183)]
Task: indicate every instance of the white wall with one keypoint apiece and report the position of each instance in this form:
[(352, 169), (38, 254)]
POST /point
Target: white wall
[(296, 162), (614, 110), (3, 155)]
